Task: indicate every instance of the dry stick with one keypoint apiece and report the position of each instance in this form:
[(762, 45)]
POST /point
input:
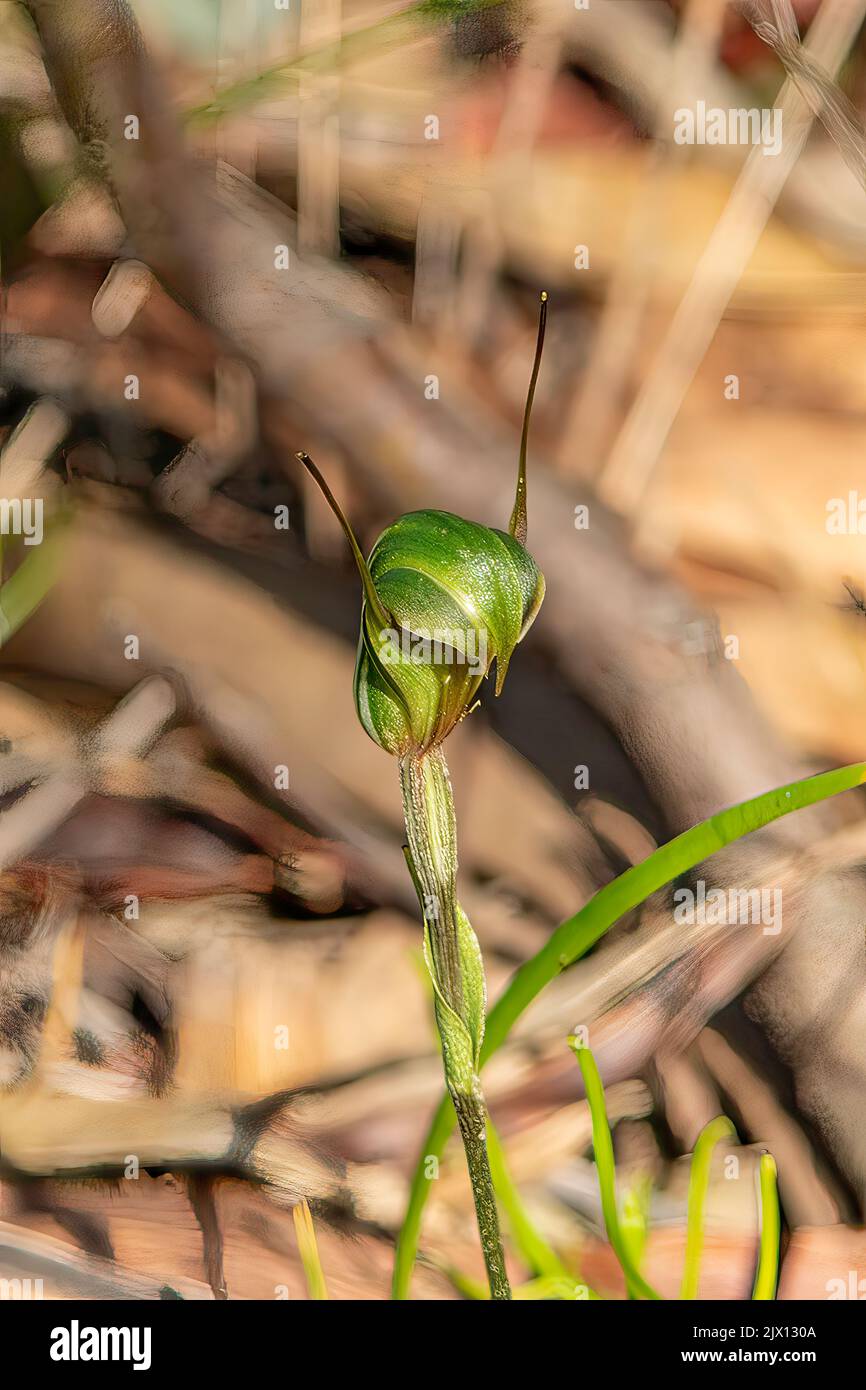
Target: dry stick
[(95, 58), (782, 13), (123, 293), (643, 435), (775, 22), (131, 728), (34, 440), (69, 1271), (201, 1190), (589, 420), (185, 485)]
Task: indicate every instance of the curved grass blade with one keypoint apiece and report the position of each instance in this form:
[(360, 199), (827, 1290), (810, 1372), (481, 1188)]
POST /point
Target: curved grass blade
[(440, 1131), (602, 1144), (537, 1255), (579, 933), (699, 1181), (767, 1275)]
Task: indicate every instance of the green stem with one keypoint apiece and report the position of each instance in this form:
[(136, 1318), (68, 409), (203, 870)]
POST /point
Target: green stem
[(579, 933), (457, 971)]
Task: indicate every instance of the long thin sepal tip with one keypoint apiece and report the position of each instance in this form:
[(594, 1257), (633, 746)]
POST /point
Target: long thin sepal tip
[(375, 604), (517, 525)]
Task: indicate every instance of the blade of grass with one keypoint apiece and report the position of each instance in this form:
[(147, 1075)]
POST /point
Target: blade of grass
[(634, 1217), (602, 1144), (308, 1250), (699, 1181), (767, 1275), (579, 933), (537, 1255)]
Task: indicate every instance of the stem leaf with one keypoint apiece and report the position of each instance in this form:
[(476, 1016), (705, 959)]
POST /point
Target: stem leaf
[(458, 1047)]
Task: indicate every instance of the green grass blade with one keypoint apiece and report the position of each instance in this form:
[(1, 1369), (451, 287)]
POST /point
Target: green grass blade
[(634, 1218), (579, 933), (767, 1275), (539, 1258), (433, 1147), (602, 1144), (699, 1182)]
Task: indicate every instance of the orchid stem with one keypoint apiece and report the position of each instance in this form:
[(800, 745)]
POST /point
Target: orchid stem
[(456, 968)]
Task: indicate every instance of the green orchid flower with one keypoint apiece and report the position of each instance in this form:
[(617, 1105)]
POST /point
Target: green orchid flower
[(461, 596)]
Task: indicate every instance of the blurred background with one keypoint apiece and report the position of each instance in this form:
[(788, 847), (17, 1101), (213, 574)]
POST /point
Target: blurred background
[(236, 229)]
